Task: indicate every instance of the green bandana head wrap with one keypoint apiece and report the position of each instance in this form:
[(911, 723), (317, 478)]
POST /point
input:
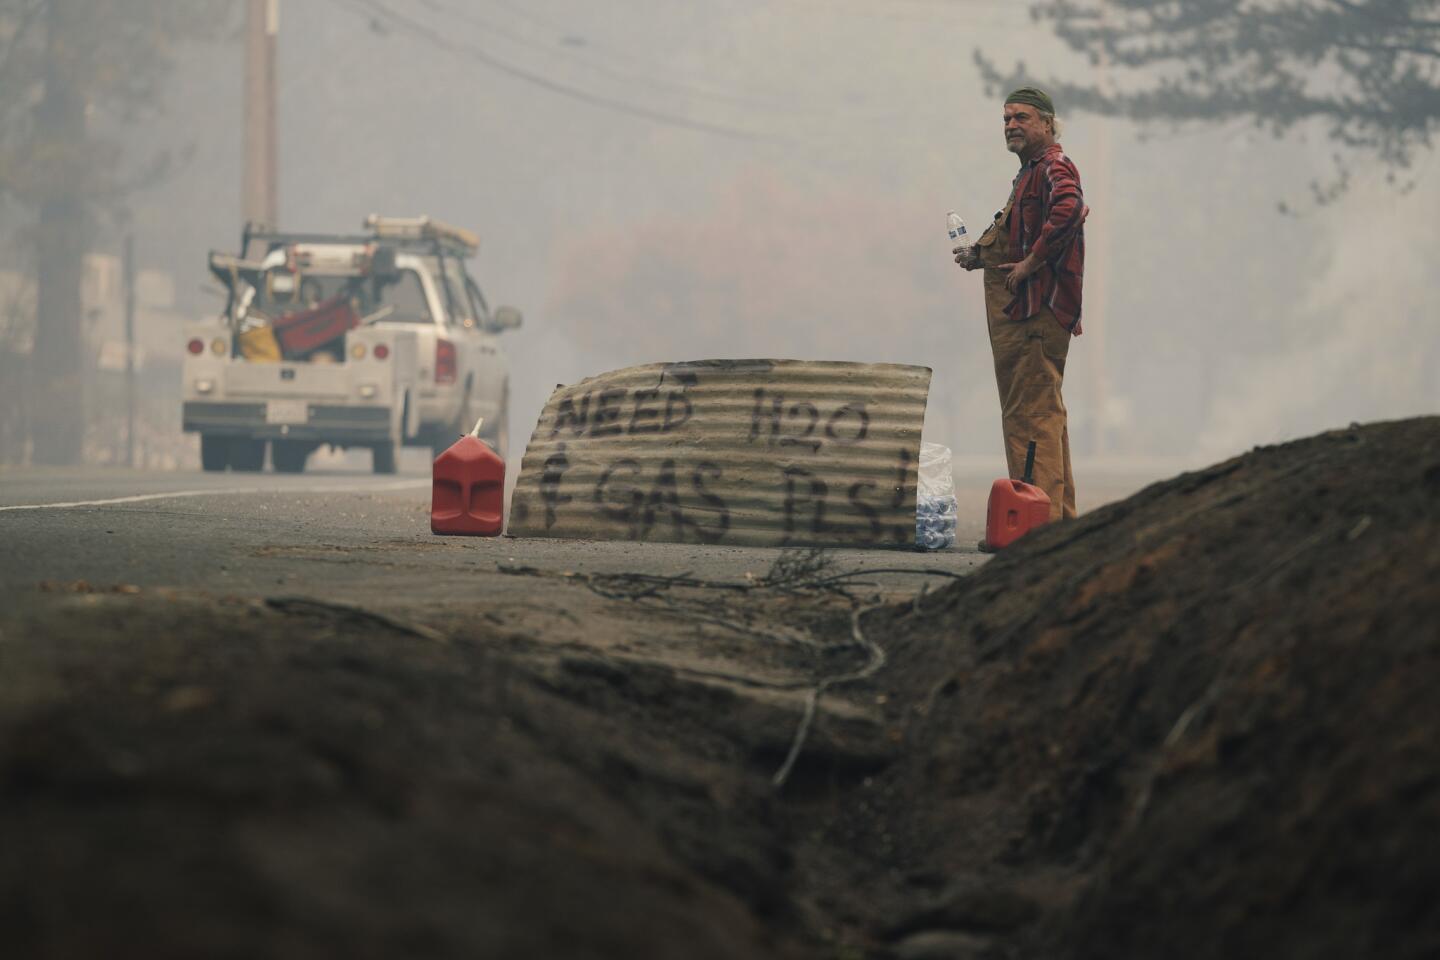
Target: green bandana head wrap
[(1035, 97)]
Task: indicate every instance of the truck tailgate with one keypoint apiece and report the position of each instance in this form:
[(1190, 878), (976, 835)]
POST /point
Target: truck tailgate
[(299, 380)]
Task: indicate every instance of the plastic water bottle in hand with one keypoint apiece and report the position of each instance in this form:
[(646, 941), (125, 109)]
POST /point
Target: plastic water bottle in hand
[(958, 236), (965, 253)]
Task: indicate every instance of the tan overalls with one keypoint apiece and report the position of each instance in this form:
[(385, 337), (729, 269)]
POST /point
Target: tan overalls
[(1029, 367)]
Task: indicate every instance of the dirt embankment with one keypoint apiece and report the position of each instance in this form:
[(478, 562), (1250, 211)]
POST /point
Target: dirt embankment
[(1198, 723), (181, 780)]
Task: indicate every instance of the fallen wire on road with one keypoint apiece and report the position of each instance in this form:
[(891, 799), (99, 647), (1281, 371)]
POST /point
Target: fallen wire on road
[(785, 576), (794, 573), (812, 699), (796, 570)]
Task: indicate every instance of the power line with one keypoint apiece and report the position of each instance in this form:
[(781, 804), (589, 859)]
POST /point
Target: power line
[(994, 13), (418, 29), (661, 83)]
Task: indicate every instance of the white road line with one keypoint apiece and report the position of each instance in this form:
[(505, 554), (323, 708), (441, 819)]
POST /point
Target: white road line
[(220, 492)]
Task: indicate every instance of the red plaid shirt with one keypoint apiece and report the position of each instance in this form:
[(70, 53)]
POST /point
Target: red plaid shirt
[(1047, 216)]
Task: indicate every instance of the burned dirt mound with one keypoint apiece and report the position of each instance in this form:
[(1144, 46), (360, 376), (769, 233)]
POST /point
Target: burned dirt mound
[(187, 779), (1198, 723)]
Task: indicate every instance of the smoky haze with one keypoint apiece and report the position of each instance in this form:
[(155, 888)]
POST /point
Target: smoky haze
[(749, 178)]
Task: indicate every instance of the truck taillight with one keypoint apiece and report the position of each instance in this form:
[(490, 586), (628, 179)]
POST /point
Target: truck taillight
[(196, 346), (380, 352), (444, 361)]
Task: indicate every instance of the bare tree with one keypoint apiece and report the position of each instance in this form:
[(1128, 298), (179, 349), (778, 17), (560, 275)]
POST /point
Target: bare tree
[(61, 61), (1368, 70)]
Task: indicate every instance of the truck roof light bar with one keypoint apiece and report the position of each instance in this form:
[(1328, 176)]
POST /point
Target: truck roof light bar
[(421, 228)]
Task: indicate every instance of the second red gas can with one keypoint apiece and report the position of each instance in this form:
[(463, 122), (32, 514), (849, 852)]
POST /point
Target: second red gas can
[(1016, 507), (468, 493)]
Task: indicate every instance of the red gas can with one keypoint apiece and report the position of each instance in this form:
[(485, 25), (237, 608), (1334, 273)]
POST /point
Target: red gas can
[(468, 495), (1016, 507)]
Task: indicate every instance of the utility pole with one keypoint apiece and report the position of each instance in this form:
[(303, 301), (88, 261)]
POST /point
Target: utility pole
[(262, 24), (128, 268)]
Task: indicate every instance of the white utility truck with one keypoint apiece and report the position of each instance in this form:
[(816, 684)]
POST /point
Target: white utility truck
[(375, 340)]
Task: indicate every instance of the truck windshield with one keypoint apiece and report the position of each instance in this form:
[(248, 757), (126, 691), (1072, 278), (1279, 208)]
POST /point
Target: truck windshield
[(458, 302), (407, 296), (283, 293)]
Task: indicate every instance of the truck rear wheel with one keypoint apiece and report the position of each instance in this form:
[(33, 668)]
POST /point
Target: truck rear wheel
[(247, 455), (383, 458), (443, 438), (214, 452), (289, 456)]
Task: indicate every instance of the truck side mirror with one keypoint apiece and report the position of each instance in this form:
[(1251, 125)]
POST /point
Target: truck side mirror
[(507, 318)]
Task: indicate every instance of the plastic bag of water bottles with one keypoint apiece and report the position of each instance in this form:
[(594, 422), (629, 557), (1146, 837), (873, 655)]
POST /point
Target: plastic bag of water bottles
[(935, 499)]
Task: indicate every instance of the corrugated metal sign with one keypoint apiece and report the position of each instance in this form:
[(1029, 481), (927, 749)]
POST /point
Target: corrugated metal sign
[(758, 452)]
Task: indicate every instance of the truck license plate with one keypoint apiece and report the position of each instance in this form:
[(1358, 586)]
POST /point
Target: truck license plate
[(287, 411)]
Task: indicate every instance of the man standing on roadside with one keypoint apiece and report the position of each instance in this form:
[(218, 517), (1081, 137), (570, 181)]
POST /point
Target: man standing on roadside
[(1033, 255)]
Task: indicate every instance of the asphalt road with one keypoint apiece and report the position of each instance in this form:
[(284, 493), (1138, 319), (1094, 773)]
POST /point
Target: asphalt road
[(342, 537)]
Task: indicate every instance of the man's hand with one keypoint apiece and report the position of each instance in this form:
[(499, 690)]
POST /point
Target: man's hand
[(1018, 273), (967, 256)]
